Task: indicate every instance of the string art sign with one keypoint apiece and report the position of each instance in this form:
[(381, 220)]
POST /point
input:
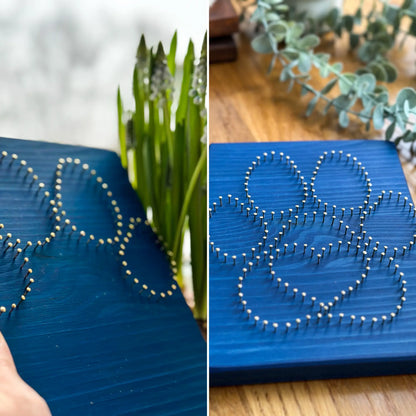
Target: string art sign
[(89, 301), (312, 262)]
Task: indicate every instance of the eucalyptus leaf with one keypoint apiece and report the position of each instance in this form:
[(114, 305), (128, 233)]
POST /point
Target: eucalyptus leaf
[(308, 42), (282, 8), (311, 105), (278, 29), (365, 114), (412, 28), (378, 116), (264, 4), (332, 18), (366, 82), (390, 131), (328, 87), (262, 44), (406, 94), (358, 16), (343, 119), (354, 40), (304, 62), (324, 70), (348, 22), (391, 71), (307, 89), (296, 29), (343, 102), (272, 17), (290, 54), (407, 136), (347, 82), (378, 71), (327, 107), (391, 13)]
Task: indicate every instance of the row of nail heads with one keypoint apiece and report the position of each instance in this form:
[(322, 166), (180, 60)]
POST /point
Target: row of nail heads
[(291, 217), (61, 224)]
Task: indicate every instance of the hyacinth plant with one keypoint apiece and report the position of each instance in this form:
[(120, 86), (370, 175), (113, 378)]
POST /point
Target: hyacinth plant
[(163, 145)]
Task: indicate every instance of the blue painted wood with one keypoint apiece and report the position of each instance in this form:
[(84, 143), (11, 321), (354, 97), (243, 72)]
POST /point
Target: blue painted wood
[(85, 338), (243, 350)]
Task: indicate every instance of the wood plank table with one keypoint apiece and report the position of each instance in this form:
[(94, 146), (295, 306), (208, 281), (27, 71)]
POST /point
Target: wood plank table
[(248, 105)]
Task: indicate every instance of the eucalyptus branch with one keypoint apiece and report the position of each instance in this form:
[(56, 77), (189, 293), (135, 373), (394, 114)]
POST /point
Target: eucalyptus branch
[(377, 36), (359, 94)]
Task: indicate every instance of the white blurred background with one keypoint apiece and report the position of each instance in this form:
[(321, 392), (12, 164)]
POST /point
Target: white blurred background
[(61, 62)]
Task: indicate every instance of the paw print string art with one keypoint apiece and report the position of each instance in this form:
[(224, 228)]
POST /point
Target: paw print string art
[(47, 208), (321, 261)]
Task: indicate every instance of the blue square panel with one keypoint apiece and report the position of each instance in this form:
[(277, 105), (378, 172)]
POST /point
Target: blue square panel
[(102, 327), (312, 262)]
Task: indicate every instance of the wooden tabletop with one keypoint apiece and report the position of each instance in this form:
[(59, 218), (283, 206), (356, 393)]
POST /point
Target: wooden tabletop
[(248, 105)]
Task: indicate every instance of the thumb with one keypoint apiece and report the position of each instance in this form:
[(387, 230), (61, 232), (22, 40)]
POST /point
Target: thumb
[(6, 359)]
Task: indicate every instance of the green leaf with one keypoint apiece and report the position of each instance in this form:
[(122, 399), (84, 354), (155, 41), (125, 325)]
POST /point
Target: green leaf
[(172, 54), (264, 4), (391, 71), (410, 13), (278, 29), (337, 66), (343, 102), (308, 42), (272, 17), (121, 130), (328, 87), (406, 94), (304, 62), (365, 114), (285, 74), (378, 71), (378, 116), (369, 51), (261, 44), (295, 30), (407, 136), (188, 67), (282, 8), (358, 16), (406, 108), (390, 131), (327, 107), (272, 63), (343, 119), (382, 97), (412, 28), (290, 54), (311, 105), (348, 22), (354, 40), (366, 83), (346, 82), (332, 18), (324, 70)]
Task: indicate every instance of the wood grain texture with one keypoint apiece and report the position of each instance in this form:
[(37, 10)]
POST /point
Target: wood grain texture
[(248, 105)]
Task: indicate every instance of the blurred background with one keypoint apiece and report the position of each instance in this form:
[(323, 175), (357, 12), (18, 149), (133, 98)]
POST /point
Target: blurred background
[(61, 62)]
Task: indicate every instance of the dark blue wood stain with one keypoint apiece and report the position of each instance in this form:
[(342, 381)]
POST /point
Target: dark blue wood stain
[(242, 351), (85, 339)]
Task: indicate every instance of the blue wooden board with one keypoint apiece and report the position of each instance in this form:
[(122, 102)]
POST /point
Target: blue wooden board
[(88, 338), (327, 287)]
